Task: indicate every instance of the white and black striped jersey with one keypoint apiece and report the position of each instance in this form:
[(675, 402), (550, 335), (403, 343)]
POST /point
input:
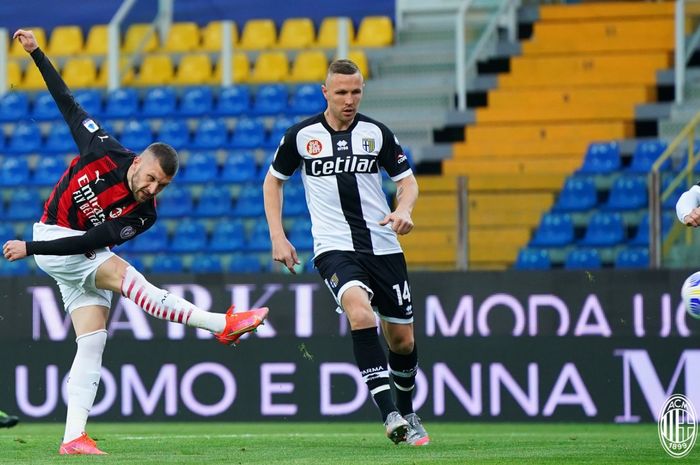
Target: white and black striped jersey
[(343, 184)]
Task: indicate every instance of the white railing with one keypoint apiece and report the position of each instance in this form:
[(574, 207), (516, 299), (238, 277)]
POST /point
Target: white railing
[(680, 58)]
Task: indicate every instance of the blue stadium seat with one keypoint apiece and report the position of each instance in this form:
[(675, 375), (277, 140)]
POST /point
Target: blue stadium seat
[(175, 201), (7, 233), (233, 101), (24, 204), (210, 134), (554, 230), (259, 237), (239, 167), (135, 261), (196, 101), (300, 235), (249, 201), (122, 103), (159, 102), (645, 154), (90, 100), (16, 268), (248, 134), (45, 107), (136, 135), (637, 257), (14, 106), (641, 236), (579, 194), (26, 138), (270, 99), (294, 199), (279, 127), (206, 263), (601, 158), (532, 259), (307, 99), (175, 132), (201, 167), (670, 202), (244, 263), (167, 263), (227, 236), (48, 171), (14, 171), (189, 236), (154, 239), (215, 200), (60, 139), (583, 259), (604, 229), (628, 192)]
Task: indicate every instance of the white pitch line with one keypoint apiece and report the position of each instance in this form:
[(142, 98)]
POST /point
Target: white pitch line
[(230, 436)]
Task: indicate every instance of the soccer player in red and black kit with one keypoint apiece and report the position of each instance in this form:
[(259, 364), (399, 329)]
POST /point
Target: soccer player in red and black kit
[(105, 197)]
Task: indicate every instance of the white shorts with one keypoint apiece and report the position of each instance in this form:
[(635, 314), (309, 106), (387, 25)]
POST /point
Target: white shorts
[(74, 274)]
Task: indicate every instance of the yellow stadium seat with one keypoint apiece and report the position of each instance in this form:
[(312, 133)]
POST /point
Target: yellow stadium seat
[(182, 37), (328, 33), (360, 59), (65, 40), (193, 69), (309, 66), (211, 36), (134, 36), (103, 74), (155, 70), (33, 79), (97, 41), (241, 69), (375, 31), (258, 34), (16, 49), (296, 33), (14, 74), (270, 67), (80, 72)]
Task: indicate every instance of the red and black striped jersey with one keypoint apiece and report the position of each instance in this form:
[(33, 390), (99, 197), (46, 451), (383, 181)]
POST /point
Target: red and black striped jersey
[(93, 194)]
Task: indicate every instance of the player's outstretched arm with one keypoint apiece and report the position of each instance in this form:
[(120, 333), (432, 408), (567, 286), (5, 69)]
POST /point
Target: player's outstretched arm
[(282, 250), (688, 207), (406, 196)]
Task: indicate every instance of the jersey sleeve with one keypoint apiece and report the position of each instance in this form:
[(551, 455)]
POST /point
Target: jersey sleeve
[(391, 156), (287, 158)]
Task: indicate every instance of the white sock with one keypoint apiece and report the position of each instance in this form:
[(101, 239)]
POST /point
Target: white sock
[(162, 304), (83, 381)]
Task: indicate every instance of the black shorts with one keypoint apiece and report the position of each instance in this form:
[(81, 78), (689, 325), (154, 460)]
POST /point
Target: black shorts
[(384, 277)]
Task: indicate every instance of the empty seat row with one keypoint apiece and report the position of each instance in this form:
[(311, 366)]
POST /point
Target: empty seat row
[(605, 158), (582, 259)]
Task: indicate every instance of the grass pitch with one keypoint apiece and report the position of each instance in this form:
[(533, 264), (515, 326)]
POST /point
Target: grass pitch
[(341, 443)]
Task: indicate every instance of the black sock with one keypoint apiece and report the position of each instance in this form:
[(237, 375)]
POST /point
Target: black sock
[(371, 361), (403, 371)]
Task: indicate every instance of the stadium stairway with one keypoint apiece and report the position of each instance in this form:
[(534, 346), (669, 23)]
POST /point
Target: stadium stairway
[(582, 77)]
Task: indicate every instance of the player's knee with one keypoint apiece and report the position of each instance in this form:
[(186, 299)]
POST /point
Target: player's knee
[(402, 345)]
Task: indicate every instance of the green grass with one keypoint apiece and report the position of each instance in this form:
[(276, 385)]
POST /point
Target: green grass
[(341, 443)]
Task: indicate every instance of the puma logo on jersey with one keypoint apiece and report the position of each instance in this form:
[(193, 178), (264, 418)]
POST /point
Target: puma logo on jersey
[(97, 177), (337, 165), (143, 220), (102, 138)]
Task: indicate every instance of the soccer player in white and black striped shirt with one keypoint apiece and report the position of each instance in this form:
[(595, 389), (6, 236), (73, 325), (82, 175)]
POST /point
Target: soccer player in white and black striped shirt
[(340, 153)]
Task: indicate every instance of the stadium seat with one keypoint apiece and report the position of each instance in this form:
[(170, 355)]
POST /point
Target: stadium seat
[(641, 236), (532, 259), (248, 134), (244, 263), (309, 66), (26, 138), (628, 192), (240, 72), (196, 101), (182, 37), (670, 202), (16, 49), (48, 171), (360, 59), (604, 229), (126, 73), (233, 101), (14, 171), (554, 230), (193, 69), (16, 268), (279, 127), (65, 40), (601, 158), (175, 201), (210, 134), (249, 202), (212, 36), (135, 34), (375, 31), (645, 154), (296, 33), (136, 135), (259, 237), (90, 100), (14, 106), (7, 233), (167, 263), (258, 34), (328, 33), (24, 204), (270, 67), (175, 132), (14, 75), (270, 99), (227, 236), (205, 263), (300, 234), (79, 72), (122, 103), (201, 167), (159, 102), (307, 99), (191, 236), (154, 239), (579, 194), (632, 258), (239, 167), (295, 199), (60, 139), (97, 41), (45, 107), (583, 259), (155, 70), (32, 77)]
